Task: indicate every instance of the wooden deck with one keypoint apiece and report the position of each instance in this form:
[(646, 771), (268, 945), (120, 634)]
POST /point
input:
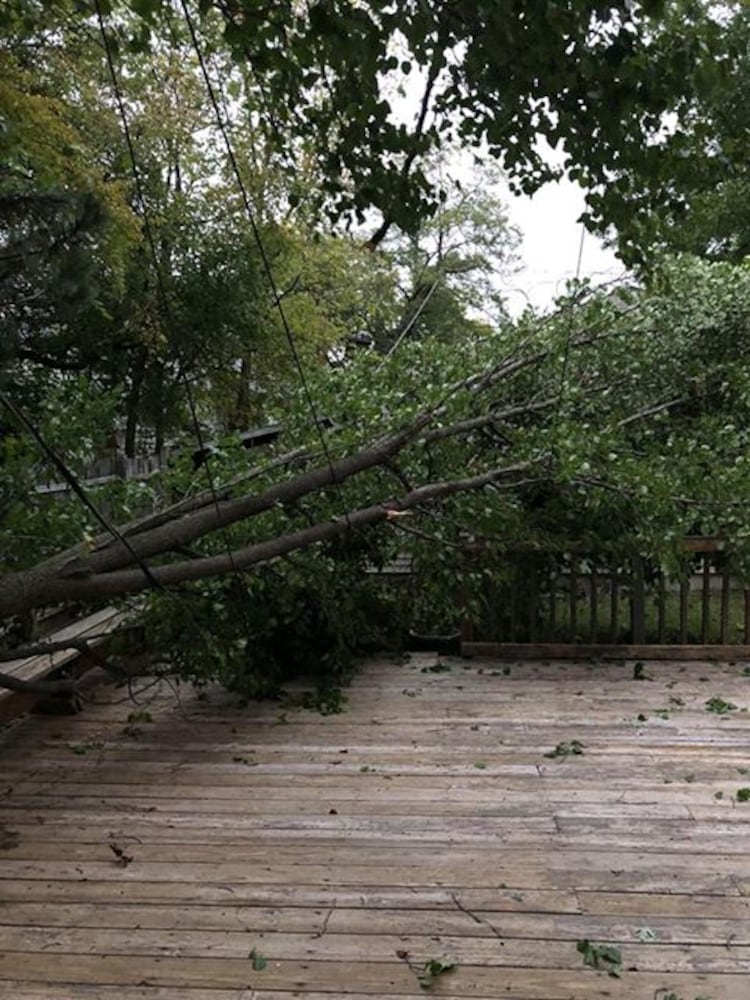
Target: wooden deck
[(93, 630), (265, 855)]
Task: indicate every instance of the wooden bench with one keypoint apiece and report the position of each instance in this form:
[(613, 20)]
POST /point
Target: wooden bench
[(94, 630)]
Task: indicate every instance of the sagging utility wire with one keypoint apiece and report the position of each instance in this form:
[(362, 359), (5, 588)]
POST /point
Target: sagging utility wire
[(417, 313), (150, 239), (77, 489), (249, 211), (568, 338)]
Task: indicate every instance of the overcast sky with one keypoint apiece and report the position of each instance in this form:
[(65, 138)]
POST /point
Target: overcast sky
[(550, 247), (550, 235)]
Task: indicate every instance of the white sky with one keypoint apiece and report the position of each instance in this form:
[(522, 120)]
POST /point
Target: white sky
[(551, 236), (550, 247)]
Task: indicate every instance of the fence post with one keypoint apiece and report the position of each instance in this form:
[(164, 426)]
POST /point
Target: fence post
[(466, 624), (725, 595), (552, 634), (534, 570), (706, 600), (514, 602), (684, 600), (614, 604), (637, 601), (661, 608), (593, 608), (573, 600)]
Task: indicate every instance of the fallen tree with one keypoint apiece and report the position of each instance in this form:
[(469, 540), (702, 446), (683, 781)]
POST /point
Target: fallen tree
[(116, 564), (619, 420), (615, 417), (636, 405)]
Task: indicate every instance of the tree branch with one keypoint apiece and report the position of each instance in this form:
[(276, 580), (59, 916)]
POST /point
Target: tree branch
[(485, 419), (649, 411), (382, 231), (106, 571), (49, 689), (45, 648), (206, 498), (112, 584)]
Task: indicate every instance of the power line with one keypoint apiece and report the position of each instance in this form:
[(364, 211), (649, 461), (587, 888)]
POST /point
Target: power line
[(76, 487), (261, 247), (415, 316), (161, 288), (569, 335), (570, 324)]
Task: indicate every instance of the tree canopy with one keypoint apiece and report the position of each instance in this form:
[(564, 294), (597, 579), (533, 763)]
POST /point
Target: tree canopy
[(598, 80)]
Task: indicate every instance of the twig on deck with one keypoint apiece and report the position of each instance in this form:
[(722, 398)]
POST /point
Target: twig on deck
[(324, 928), (477, 920)]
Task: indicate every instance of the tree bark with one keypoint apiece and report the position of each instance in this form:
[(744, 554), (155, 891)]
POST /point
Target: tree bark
[(35, 587), (131, 404)]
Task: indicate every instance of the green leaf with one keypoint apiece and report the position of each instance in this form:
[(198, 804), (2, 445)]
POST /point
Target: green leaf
[(258, 960), (719, 706), (573, 748), (602, 956), (639, 673), (433, 969)]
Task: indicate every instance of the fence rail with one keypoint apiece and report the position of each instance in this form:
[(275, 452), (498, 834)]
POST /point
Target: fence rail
[(605, 600)]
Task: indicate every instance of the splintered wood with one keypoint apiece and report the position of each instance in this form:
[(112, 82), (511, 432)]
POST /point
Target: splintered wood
[(460, 830)]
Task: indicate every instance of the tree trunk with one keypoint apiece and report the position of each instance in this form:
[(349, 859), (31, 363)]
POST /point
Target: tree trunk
[(132, 405)]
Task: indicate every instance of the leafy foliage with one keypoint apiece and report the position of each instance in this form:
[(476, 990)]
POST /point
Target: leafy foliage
[(720, 706), (712, 219), (641, 442), (601, 956), (621, 419), (597, 82), (259, 962), (74, 418), (308, 618), (433, 969)]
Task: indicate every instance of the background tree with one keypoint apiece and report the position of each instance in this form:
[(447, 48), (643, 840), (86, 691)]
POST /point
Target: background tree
[(65, 224), (712, 218), (600, 84), (453, 265)]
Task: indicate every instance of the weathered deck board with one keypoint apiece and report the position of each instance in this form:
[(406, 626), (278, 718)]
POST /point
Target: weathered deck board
[(93, 629), (425, 821)]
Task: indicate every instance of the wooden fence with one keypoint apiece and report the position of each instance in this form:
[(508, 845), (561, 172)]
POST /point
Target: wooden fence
[(559, 604), (107, 469), (116, 465)]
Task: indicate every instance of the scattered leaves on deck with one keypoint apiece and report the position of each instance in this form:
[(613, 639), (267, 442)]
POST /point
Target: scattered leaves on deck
[(601, 956), (572, 749)]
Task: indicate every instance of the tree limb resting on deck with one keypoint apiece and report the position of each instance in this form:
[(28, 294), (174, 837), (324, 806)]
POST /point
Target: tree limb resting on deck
[(48, 689)]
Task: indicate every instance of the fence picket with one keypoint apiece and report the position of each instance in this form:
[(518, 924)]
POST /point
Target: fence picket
[(593, 609), (638, 602), (614, 606), (705, 600), (563, 598)]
